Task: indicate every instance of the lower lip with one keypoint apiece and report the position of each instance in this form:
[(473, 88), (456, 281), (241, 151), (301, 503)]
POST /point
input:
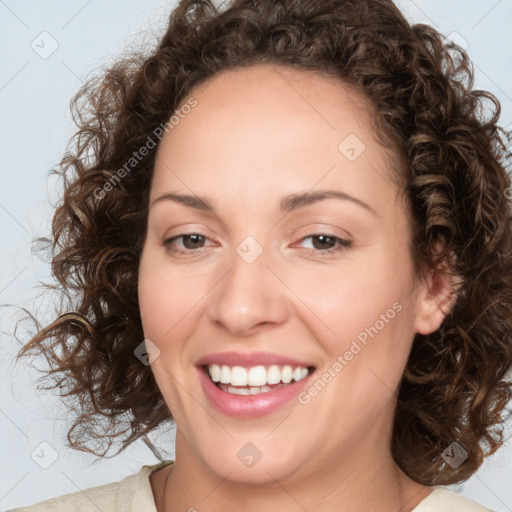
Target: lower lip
[(250, 406)]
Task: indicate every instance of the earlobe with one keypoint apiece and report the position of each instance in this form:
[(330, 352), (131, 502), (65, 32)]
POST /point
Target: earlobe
[(436, 300)]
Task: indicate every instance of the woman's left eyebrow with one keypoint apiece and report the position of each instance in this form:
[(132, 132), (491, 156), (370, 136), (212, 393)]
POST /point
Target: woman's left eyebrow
[(287, 204), (295, 201)]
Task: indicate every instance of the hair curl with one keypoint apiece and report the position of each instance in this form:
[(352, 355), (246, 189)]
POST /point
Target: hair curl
[(455, 385)]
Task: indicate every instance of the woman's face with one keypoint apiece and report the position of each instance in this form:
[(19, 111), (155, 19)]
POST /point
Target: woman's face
[(277, 249)]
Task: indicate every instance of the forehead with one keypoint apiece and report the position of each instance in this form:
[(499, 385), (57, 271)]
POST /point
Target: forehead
[(277, 98), (266, 128)]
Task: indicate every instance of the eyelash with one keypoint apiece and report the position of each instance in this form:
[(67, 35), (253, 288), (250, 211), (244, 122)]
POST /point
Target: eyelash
[(342, 243)]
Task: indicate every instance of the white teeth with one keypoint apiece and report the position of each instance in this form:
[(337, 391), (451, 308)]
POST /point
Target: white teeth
[(225, 375), (274, 375), (256, 378), (297, 374), (238, 391), (215, 372), (245, 391), (238, 376), (287, 374)]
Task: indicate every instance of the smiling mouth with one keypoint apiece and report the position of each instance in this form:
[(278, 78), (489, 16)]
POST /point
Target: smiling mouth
[(239, 380)]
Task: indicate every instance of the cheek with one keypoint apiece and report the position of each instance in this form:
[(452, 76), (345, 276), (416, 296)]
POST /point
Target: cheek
[(171, 302), (165, 299), (166, 302), (344, 301)]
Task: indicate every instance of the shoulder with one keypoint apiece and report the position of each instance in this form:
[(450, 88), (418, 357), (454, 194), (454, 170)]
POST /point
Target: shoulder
[(441, 499), (132, 493)]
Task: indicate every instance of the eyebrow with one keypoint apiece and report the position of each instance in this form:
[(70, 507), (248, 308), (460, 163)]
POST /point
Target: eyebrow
[(287, 204)]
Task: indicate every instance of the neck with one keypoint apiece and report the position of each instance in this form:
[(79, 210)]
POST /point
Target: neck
[(365, 480)]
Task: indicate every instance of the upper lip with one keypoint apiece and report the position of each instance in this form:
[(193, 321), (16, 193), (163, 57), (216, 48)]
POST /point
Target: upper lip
[(250, 359)]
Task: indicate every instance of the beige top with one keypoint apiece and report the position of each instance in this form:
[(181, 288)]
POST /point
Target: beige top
[(134, 494)]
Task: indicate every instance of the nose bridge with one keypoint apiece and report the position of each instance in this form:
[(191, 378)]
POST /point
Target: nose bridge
[(247, 296)]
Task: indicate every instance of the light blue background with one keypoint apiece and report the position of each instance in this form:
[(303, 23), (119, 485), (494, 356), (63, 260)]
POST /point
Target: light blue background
[(35, 126)]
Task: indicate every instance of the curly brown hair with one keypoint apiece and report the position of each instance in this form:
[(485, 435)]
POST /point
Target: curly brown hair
[(455, 385)]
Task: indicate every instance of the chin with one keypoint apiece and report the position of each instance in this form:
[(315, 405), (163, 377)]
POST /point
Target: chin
[(252, 460)]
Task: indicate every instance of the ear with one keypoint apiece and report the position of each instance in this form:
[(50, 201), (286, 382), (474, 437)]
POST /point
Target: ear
[(437, 296)]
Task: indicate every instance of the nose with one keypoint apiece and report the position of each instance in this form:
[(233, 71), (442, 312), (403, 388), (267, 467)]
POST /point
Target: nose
[(249, 298)]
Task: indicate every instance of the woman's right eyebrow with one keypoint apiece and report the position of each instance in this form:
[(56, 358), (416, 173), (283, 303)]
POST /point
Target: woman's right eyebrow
[(188, 200), (287, 204)]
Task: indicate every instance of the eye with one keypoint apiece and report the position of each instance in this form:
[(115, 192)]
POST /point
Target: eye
[(325, 243), (185, 243), (193, 242)]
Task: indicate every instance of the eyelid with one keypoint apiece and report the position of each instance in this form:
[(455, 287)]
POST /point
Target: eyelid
[(344, 240), (320, 228), (189, 228)]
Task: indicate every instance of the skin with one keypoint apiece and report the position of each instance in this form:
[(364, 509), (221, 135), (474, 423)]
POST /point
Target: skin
[(257, 135)]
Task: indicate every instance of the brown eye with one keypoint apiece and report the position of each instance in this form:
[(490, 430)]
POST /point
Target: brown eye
[(193, 241), (185, 243), (324, 243)]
